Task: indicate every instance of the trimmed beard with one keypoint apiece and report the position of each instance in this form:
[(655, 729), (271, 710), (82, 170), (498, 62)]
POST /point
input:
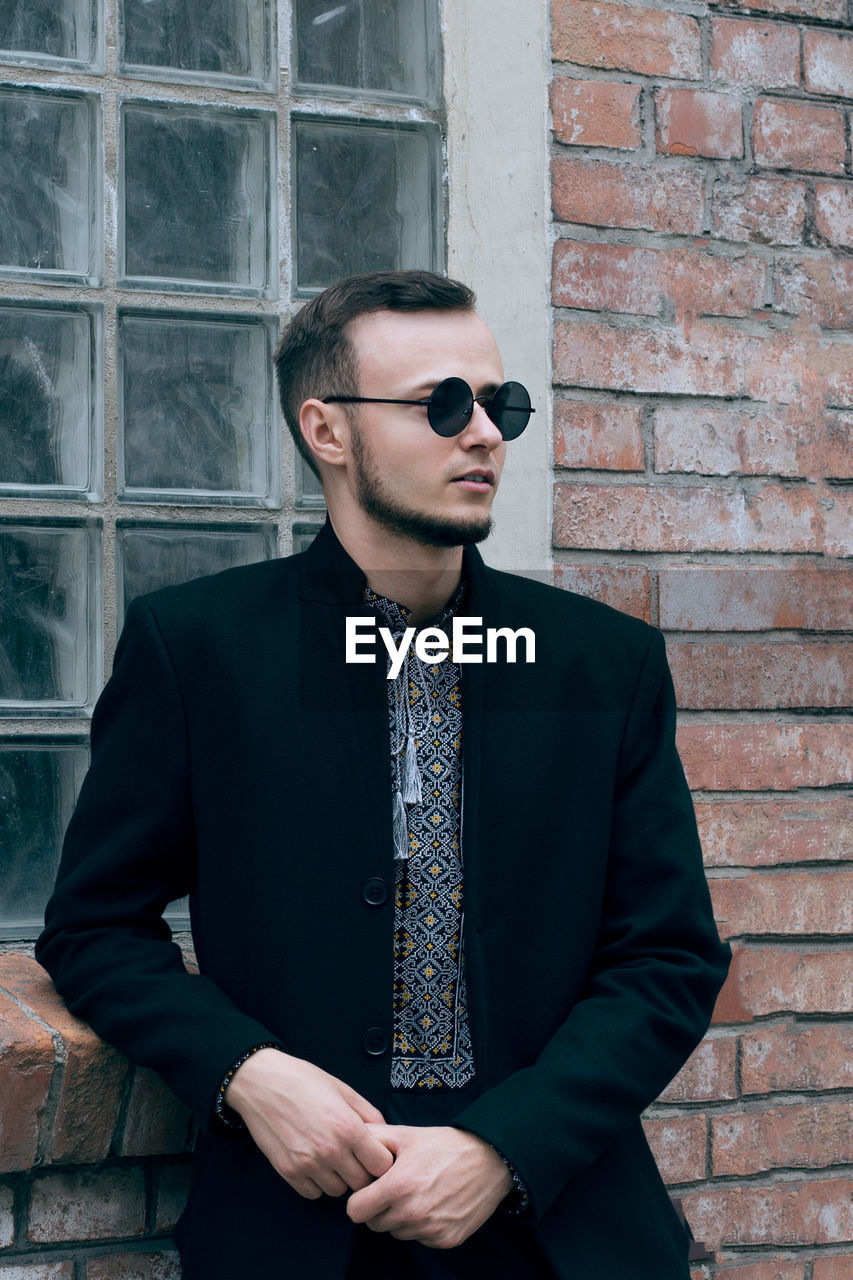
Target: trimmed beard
[(430, 531)]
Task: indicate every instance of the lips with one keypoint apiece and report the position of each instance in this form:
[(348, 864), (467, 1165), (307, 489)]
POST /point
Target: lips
[(476, 477)]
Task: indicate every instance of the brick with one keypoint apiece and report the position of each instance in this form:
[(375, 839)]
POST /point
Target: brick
[(754, 674), (606, 436), (789, 903), (763, 833), (600, 194), (87, 1205), (838, 523), (828, 62), (791, 1213), (828, 10), (63, 1270), (155, 1121), (821, 289), (172, 1191), (695, 122), (708, 1075), (746, 52), (797, 135), (26, 1066), (751, 756), (704, 360), (755, 598), (678, 1144), (730, 441), (812, 1136), (626, 279), (835, 1267), (93, 1073), (631, 38), (596, 113), (770, 980), (773, 1269), (621, 586), (764, 210), (7, 1217), (776, 1059), (834, 213), (635, 517), (162, 1265)]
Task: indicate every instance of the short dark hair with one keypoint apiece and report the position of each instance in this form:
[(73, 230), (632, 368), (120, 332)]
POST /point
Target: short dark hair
[(315, 356)]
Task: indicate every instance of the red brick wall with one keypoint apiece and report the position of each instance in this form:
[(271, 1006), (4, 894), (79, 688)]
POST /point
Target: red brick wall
[(702, 283)]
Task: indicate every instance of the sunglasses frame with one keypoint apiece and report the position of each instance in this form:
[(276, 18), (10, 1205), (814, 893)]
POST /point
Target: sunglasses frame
[(433, 411)]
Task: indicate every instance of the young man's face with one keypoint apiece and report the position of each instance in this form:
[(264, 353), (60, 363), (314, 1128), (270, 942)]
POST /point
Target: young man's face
[(415, 483)]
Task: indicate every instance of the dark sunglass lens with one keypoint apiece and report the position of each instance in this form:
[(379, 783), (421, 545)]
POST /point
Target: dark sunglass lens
[(450, 407), (509, 409)]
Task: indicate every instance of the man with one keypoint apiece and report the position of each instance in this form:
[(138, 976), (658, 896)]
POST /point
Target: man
[(433, 1000)]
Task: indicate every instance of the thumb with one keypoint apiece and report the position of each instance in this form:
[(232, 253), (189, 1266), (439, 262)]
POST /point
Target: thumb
[(390, 1135)]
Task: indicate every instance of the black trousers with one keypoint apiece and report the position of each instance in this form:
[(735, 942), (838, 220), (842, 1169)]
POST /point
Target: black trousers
[(502, 1249)]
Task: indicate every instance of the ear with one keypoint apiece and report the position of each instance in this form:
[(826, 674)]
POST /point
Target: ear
[(325, 429)]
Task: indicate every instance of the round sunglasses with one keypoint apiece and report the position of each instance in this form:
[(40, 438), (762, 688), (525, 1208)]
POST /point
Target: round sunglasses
[(451, 404)]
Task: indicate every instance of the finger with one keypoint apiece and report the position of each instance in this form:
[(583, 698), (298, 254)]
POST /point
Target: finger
[(353, 1172), (374, 1155), (364, 1110), (305, 1187), (370, 1202), (330, 1182)]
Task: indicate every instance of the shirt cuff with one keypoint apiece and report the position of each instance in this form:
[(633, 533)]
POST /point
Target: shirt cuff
[(224, 1116)]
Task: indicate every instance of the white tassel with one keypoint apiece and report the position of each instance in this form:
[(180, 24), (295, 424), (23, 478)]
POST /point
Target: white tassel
[(401, 829), (412, 792)]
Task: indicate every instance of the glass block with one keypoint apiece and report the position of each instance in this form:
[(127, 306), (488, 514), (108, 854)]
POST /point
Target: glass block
[(51, 420), (44, 31), (309, 491), (379, 48), (150, 556), (304, 535), (50, 208), (367, 199), (233, 42), (196, 199), (39, 782), (50, 639), (197, 417)]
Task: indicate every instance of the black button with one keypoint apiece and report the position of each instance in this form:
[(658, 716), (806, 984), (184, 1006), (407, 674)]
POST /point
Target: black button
[(375, 1042), (374, 891)]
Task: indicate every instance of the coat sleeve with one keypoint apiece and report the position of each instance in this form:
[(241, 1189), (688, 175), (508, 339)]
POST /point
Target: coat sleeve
[(656, 970), (130, 850)]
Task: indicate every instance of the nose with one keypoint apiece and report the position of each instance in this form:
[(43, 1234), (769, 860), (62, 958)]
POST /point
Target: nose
[(481, 432)]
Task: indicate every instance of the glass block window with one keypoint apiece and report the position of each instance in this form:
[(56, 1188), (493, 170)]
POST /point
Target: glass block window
[(157, 225), (39, 782), (196, 409), (50, 188), (50, 617), (150, 556), (51, 408), (165, 38)]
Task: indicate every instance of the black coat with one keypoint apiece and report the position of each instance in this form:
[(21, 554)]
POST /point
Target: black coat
[(238, 758)]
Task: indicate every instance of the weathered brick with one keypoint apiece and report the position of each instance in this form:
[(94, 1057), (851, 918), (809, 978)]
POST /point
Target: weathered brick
[(708, 1075), (828, 62), (26, 1064), (775, 1059), (819, 1211), (7, 1217), (635, 517), (162, 1265), (600, 194), (596, 113), (800, 367), (678, 1144), (603, 436), (754, 674), (751, 756), (837, 1266), (747, 52), (705, 359), (729, 441), (172, 1190), (755, 598), (57, 1270), (763, 833), (789, 903), (834, 213), (88, 1103), (599, 34), (812, 1136), (771, 980), (828, 10), (87, 1206), (820, 288), (155, 1121), (696, 122), (765, 210), (622, 278), (798, 135), (770, 1269), (621, 586)]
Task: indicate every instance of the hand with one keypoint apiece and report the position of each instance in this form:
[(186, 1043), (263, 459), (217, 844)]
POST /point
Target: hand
[(443, 1185), (311, 1127)]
